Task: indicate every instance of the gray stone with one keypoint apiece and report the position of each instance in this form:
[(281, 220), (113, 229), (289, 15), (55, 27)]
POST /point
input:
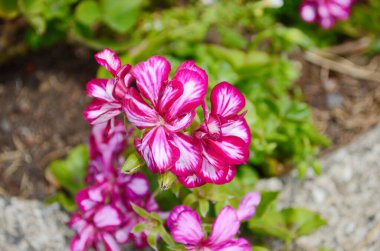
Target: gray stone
[(346, 194), (27, 225)]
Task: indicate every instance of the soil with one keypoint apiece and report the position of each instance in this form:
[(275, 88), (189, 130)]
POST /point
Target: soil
[(42, 99)]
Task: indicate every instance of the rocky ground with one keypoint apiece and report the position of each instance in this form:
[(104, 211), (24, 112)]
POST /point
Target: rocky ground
[(347, 194)]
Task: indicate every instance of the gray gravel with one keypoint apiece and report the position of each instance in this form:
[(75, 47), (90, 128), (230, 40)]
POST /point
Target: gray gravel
[(32, 226), (347, 194)]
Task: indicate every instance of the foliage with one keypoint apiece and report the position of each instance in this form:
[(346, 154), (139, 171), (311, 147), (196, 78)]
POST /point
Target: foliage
[(69, 174)]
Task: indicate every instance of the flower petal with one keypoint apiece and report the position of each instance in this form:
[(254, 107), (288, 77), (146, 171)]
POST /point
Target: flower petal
[(100, 111), (239, 244), (107, 216), (138, 186), (238, 128), (308, 13), (226, 100), (150, 75), (194, 91), (190, 65), (212, 174), (164, 154), (234, 149), (170, 93), (101, 89), (191, 181), (247, 206), (142, 147), (138, 112), (110, 244), (123, 80), (181, 122), (83, 240), (186, 227), (172, 219), (109, 60), (224, 228), (230, 174), (190, 158)]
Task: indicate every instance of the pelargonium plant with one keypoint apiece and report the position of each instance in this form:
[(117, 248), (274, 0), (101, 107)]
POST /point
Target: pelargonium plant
[(118, 208), (163, 110), (325, 12)]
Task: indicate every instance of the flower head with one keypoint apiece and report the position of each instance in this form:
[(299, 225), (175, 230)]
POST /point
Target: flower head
[(108, 94), (223, 138), (325, 12), (186, 228), (164, 108)]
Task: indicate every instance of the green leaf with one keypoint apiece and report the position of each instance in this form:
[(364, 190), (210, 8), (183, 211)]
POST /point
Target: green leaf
[(138, 228), (8, 9), (121, 15), (166, 236), (152, 239), (302, 221), (203, 207), (88, 12), (267, 199), (140, 211), (257, 248), (190, 199), (67, 203), (132, 164), (71, 172)]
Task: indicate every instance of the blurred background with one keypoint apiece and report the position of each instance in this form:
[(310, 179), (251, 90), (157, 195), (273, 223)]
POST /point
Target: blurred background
[(309, 90)]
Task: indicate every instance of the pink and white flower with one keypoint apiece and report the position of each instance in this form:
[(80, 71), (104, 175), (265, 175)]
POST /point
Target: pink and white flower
[(164, 108), (223, 138), (108, 94), (186, 227), (325, 12)]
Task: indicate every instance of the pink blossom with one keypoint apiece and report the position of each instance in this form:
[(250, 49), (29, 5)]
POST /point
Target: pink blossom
[(164, 108), (223, 138), (325, 12), (105, 216), (108, 94), (186, 228)]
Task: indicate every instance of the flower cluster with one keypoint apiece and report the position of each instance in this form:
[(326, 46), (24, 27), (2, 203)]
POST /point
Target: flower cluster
[(105, 217), (325, 12), (165, 108), (186, 228)]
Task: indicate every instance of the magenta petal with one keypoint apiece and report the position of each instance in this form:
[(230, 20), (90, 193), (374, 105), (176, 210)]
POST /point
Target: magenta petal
[(142, 147), (190, 65), (230, 174), (83, 240), (234, 149), (172, 219), (247, 206), (101, 89), (190, 158), (138, 112), (163, 152), (224, 228), (110, 243), (180, 123), (138, 186), (239, 244), (123, 80), (194, 91), (308, 13), (186, 228), (170, 93), (107, 216), (238, 128), (226, 100), (150, 75), (99, 111), (212, 174), (191, 181), (109, 60)]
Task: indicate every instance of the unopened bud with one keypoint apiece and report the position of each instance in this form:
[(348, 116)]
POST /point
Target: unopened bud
[(132, 164)]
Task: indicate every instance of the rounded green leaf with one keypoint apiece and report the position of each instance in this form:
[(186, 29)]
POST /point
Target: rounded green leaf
[(88, 12)]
